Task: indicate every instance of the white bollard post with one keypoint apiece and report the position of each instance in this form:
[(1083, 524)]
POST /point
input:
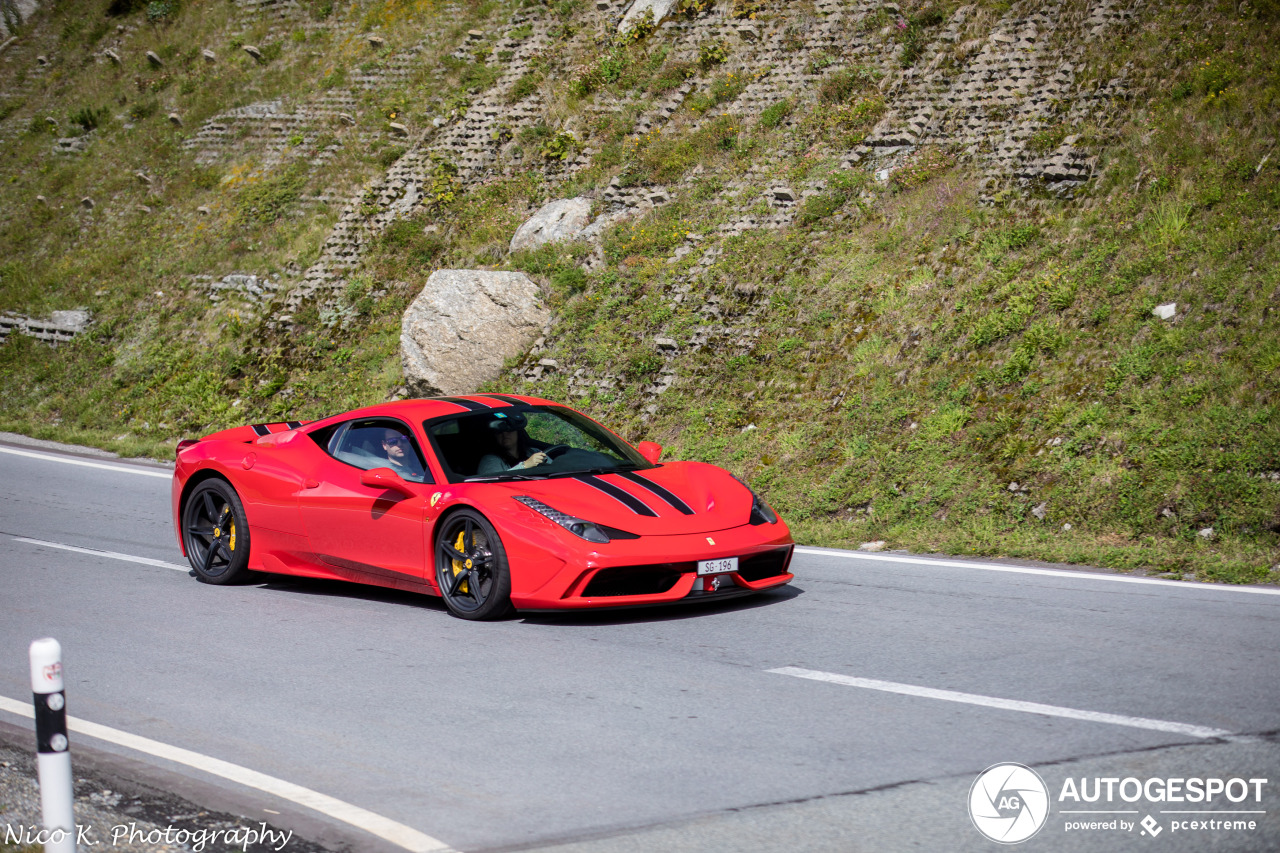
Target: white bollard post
[(53, 760)]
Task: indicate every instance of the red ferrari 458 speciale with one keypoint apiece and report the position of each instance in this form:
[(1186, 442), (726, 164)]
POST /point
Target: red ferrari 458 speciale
[(491, 501)]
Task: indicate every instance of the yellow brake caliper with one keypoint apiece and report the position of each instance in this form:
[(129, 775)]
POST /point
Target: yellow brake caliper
[(231, 532), (458, 565)]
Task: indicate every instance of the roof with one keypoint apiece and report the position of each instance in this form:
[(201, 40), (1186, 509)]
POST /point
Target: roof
[(421, 409)]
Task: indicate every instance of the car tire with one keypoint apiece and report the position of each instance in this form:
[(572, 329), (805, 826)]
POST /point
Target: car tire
[(215, 532), (471, 567)]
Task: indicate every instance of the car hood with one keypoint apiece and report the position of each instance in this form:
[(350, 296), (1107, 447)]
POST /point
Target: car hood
[(671, 499)]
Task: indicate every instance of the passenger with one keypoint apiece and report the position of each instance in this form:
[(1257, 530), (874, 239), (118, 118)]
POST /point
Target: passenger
[(513, 446), (401, 456)]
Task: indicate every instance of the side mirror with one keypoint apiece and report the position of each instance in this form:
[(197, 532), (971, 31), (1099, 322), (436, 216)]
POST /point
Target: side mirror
[(650, 450), (385, 478)]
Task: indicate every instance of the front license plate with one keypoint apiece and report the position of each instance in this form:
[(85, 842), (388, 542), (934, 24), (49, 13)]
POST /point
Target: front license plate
[(717, 567)]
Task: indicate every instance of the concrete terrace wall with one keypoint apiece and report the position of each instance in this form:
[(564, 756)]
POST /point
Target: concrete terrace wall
[(981, 86), (984, 86)]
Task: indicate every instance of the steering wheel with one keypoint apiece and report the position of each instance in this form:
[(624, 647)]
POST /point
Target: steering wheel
[(556, 449)]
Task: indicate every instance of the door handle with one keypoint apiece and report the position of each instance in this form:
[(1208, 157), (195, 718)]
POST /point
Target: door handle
[(310, 484)]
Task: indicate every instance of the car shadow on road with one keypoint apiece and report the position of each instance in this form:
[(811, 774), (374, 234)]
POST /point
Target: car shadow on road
[(347, 589), (567, 618)]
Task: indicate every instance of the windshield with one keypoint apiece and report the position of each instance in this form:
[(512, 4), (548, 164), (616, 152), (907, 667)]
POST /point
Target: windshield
[(523, 442)]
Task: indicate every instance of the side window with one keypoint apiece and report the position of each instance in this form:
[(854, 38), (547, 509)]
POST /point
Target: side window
[(324, 437), (461, 442), (382, 443)]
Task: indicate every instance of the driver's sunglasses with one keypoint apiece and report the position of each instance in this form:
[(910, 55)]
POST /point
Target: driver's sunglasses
[(397, 439)]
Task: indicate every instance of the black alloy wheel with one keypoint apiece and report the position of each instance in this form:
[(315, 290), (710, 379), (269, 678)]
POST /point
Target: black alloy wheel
[(216, 533), (471, 567)]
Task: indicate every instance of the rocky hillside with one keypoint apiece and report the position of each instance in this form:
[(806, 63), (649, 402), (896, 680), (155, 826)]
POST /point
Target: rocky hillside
[(996, 277)]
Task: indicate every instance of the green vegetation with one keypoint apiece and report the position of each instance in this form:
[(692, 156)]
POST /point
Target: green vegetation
[(524, 87), (918, 366), (911, 31), (560, 147), (712, 53), (773, 115), (841, 189)]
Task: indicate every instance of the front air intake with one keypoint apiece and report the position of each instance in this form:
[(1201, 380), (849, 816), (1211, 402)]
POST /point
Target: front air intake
[(636, 580), (767, 565)]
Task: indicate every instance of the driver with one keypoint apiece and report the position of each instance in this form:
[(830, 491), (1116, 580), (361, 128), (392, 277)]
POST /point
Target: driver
[(513, 446), (400, 454)]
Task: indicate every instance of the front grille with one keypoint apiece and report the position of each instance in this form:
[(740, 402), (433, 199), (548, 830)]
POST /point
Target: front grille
[(767, 565), (636, 580)]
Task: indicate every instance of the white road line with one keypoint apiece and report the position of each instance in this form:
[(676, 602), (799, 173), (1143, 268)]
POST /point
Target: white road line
[(1003, 704), (146, 561), (106, 466), (385, 828), (1027, 570)]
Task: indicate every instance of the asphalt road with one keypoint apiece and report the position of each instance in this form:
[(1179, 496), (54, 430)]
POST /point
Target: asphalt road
[(652, 729)]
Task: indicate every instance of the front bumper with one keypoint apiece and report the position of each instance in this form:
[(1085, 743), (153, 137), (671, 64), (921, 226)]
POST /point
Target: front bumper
[(663, 569)]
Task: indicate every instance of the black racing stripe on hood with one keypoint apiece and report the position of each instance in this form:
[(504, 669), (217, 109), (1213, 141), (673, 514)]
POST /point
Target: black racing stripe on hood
[(469, 405), (629, 500), (660, 491), (293, 424), (504, 398), (261, 429)]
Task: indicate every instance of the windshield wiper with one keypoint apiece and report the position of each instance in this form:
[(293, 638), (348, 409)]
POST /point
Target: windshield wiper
[(613, 469), (497, 477)]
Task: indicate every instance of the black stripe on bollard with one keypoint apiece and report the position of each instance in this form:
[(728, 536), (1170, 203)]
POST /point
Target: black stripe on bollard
[(51, 722), (53, 760)]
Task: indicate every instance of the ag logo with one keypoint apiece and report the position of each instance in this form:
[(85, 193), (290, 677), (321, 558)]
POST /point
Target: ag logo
[(1008, 803)]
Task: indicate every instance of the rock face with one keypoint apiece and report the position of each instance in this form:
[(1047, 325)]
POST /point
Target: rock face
[(463, 325), (660, 9), (15, 13), (558, 221)]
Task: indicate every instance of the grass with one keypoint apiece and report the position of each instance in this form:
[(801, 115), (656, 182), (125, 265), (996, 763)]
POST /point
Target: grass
[(904, 352)]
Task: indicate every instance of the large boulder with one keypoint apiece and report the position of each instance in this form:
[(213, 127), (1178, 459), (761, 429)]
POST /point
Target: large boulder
[(464, 325), (659, 8), (559, 221)]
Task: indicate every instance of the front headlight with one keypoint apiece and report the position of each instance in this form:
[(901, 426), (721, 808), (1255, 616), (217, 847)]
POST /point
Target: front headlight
[(760, 511), (580, 527)]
